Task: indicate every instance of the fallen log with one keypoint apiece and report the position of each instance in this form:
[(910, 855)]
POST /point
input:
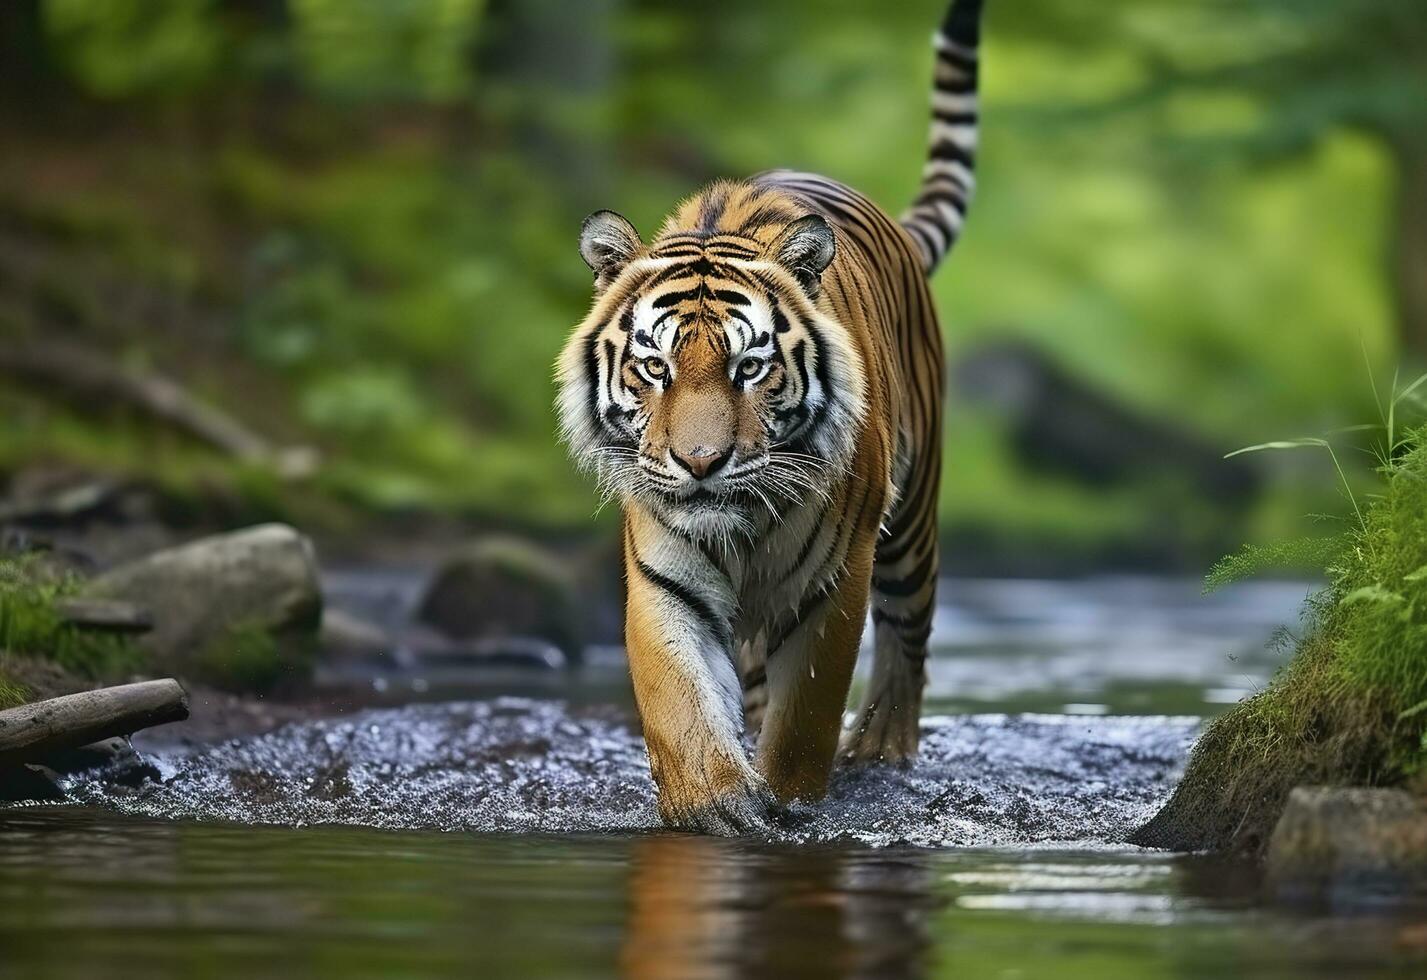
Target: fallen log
[(32, 731)]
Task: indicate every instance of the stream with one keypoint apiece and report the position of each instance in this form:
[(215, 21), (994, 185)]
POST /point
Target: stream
[(500, 823)]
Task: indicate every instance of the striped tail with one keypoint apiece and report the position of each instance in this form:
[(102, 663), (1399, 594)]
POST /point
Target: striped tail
[(949, 178)]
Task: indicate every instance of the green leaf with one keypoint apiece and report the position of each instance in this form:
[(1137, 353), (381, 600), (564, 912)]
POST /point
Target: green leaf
[(1279, 444)]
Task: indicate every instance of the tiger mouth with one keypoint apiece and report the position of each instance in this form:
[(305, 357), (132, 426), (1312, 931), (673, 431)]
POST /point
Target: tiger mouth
[(702, 498)]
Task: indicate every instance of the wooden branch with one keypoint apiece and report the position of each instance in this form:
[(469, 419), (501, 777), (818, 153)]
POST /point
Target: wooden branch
[(91, 375), (33, 730)]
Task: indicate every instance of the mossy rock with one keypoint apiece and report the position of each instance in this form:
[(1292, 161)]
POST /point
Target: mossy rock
[(505, 587), (239, 610)]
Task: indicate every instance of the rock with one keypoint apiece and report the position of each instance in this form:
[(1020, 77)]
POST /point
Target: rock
[(121, 763), (1061, 424), (501, 588), (238, 610), (1349, 847), (106, 752), (29, 783), (428, 649), (347, 637)]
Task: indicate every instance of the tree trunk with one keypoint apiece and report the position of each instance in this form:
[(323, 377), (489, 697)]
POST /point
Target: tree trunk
[(1410, 248)]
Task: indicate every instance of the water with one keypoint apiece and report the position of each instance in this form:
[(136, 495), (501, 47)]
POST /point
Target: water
[(505, 835), (87, 893), (514, 765)]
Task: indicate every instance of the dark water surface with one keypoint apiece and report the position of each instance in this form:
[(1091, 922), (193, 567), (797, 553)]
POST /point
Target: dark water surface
[(85, 893), (514, 836)]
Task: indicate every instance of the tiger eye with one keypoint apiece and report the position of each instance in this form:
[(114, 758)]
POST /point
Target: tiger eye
[(750, 367), (655, 367)]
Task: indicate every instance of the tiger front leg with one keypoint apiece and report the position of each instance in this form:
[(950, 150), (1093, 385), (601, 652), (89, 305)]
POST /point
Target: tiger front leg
[(689, 703), (809, 670)]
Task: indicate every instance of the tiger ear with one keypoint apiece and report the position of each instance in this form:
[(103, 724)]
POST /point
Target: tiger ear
[(805, 248), (608, 243)]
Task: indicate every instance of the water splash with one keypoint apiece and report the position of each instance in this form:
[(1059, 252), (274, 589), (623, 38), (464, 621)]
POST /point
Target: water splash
[(517, 765)]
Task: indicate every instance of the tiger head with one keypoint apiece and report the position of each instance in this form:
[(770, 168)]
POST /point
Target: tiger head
[(706, 382)]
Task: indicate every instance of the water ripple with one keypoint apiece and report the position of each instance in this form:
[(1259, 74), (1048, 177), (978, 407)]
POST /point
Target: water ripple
[(518, 765)]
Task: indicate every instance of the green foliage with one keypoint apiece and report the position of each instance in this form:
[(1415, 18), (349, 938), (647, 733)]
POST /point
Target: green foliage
[(30, 626), (366, 48), (1296, 555), (1380, 621), (1350, 708), (373, 206), (120, 48)]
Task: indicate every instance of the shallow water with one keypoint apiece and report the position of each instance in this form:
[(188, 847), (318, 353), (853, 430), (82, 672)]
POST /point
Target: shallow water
[(503, 836), (519, 766), (87, 893)]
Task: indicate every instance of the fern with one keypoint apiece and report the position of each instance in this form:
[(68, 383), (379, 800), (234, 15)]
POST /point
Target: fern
[(1292, 555)]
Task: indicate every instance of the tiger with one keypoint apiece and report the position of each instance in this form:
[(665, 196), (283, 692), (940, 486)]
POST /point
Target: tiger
[(761, 388)]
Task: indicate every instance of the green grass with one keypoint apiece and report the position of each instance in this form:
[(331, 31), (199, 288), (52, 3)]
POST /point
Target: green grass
[(11, 692), (1350, 708), (30, 626)]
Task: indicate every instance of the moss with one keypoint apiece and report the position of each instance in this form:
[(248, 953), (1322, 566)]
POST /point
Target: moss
[(252, 659), (30, 626), (1351, 706)]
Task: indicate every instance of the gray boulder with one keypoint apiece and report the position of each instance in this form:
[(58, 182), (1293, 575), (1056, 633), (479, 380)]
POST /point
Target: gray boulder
[(503, 587), (238, 610), (345, 637), (1347, 847)]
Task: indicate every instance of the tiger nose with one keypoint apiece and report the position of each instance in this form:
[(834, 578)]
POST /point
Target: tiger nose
[(701, 461)]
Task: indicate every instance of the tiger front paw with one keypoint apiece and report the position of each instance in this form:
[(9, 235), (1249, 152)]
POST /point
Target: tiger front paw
[(727, 807)]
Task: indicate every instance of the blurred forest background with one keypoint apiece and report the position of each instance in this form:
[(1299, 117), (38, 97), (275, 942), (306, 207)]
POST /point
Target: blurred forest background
[(313, 259)]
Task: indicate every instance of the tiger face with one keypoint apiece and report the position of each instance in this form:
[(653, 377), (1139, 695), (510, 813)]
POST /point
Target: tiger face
[(706, 384)]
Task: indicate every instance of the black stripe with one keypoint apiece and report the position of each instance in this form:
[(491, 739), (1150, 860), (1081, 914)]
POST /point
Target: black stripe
[(780, 321), (951, 150), (807, 548), (732, 252), (963, 85), (962, 23), (711, 208), (932, 196), (909, 584), (674, 298), (683, 594), (914, 631), (957, 59), (956, 118)]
